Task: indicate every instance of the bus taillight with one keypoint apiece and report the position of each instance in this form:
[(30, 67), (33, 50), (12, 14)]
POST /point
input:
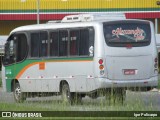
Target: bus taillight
[(100, 61), (156, 64), (101, 66)]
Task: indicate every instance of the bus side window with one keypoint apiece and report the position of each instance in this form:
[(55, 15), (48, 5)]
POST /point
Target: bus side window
[(34, 44), (54, 43), (43, 51), (74, 39), (84, 42), (63, 41), (21, 47)]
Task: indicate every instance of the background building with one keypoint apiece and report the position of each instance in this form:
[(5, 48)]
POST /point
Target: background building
[(14, 13)]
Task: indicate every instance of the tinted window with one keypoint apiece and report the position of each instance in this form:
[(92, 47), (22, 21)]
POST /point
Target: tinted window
[(15, 49), (54, 43), (21, 47), (43, 44), (35, 44), (74, 41), (63, 41), (84, 42), (121, 33), (39, 44)]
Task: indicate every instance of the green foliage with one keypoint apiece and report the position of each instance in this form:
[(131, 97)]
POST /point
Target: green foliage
[(159, 84), (0, 82), (88, 105), (135, 103)]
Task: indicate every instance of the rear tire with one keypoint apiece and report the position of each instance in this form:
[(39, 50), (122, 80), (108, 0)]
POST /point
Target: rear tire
[(93, 95), (18, 95), (66, 95)]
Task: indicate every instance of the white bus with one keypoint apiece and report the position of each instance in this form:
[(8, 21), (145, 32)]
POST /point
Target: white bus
[(81, 55)]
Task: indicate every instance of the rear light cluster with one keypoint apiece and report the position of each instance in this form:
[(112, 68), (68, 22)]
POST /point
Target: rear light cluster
[(156, 64), (101, 66)]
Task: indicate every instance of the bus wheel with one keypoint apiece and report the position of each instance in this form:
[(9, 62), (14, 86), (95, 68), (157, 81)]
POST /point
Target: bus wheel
[(93, 95), (66, 95), (18, 95)]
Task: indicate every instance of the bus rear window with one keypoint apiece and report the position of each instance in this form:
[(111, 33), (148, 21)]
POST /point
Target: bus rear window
[(122, 33)]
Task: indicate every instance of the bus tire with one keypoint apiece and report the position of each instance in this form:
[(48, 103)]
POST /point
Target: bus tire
[(66, 94), (93, 95), (18, 95)]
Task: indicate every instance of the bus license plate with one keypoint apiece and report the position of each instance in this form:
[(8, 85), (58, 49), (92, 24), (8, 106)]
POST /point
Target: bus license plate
[(129, 72)]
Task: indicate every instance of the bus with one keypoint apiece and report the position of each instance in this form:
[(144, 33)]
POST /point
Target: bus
[(81, 55)]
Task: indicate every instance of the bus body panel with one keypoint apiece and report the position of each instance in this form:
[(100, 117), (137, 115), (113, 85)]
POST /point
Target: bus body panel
[(48, 79), (119, 68), (134, 83)]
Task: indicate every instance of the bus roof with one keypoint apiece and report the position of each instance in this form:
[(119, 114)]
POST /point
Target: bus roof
[(75, 20), (54, 26), (62, 24)]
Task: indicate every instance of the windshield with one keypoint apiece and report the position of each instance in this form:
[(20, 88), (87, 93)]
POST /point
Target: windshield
[(15, 49), (9, 51), (122, 33)]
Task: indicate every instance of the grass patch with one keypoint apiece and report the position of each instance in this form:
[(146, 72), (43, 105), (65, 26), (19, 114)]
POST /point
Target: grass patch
[(159, 84), (20, 107), (99, 104), (0, 82), (87, 106)]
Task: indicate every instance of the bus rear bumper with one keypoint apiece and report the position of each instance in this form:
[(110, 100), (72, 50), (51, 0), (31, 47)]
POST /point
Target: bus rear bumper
[(106, 83)]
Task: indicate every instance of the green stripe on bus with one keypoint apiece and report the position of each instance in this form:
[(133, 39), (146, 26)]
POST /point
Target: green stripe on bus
[(16, 68)]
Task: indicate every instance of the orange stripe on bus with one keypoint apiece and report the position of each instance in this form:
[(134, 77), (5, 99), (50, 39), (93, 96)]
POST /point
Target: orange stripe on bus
[(24, 69), (28, 66)]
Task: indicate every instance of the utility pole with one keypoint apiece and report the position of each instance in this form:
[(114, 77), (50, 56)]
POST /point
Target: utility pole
[(38, 5), (38, 11), (156, 20)]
